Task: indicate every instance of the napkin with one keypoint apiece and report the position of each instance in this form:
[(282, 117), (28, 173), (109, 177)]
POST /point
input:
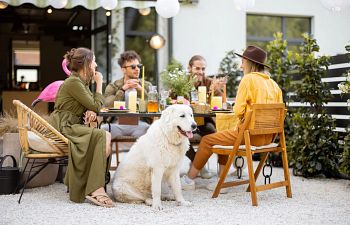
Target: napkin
[(226, 121)]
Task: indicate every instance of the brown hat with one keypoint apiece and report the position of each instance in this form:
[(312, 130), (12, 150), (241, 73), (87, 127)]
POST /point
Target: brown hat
[(255, 54)]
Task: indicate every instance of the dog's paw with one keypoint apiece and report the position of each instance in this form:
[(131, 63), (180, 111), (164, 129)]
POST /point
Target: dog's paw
[(157, 206), (148, 201), (168, 197), (184, 203)]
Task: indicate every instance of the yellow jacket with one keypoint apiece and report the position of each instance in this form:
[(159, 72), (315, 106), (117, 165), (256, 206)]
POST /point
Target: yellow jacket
[(256, 88)]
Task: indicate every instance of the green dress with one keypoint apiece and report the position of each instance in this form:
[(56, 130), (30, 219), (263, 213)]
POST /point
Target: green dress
[(87, 155)]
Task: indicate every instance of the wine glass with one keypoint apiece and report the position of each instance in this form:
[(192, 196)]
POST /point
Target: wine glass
[(231, 101), (164, 94)]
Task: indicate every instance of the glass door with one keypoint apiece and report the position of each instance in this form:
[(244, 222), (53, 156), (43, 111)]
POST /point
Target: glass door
[(101, 42)]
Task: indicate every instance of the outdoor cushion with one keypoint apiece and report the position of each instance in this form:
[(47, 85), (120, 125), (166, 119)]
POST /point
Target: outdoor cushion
[(252, 147), (38, 144)]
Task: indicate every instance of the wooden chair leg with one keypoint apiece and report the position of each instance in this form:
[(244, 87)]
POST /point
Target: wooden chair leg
[(250, 169), (260, 166), (285, 165), (223, 176), (116, 154)]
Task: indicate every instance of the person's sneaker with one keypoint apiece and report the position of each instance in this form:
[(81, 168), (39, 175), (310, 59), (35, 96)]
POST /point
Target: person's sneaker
[(205, 174), (212, 186), (187, 183)]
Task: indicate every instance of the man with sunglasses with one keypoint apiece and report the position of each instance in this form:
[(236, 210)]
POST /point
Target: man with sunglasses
[(130, 63), (196, 68)]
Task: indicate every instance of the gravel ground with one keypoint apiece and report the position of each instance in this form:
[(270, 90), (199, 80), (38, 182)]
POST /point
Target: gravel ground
[(315, 201)]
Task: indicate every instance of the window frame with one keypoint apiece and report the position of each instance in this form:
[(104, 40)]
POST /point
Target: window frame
[(290, 41)]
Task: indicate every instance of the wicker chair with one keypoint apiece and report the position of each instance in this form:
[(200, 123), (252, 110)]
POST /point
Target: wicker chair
[(28, 120), (263, 119)]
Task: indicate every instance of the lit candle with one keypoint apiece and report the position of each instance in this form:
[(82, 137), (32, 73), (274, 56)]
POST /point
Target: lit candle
[(202, 94), (119, 104), (216, 102), (132, 101), (143, 84)]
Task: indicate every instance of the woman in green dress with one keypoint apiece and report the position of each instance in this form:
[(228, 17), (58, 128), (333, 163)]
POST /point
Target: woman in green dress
[(88, 147)]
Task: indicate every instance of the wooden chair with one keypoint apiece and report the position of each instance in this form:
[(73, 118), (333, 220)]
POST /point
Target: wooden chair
[(115, 142), (28, 120), (263, 119)]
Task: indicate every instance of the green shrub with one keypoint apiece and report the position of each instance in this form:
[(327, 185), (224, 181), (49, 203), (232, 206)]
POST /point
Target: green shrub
[(345, 160), (280, 60), (229, 66), (313, 146)]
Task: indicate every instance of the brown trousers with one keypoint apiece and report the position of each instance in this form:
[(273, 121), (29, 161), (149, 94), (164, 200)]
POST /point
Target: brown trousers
[(225, 137)]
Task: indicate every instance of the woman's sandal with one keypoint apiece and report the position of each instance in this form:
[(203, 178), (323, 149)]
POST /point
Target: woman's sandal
[(100, 199)]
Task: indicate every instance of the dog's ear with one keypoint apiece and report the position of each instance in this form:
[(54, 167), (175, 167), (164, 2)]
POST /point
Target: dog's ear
[(166, 114)]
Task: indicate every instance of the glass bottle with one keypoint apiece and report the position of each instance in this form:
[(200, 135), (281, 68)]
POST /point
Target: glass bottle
[(152, 101)]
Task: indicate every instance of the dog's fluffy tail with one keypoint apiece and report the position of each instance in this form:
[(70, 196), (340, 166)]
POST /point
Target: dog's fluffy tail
[(125, 193)]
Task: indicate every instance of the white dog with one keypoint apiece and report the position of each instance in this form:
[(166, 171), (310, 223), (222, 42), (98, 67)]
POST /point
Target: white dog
[(155, 156)]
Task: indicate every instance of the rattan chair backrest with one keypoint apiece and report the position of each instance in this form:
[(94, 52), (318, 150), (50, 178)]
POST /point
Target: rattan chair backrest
[(28, 120), (267, 119)]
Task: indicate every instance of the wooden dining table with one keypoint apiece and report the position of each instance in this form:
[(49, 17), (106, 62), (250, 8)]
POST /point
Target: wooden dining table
[(107, 116)]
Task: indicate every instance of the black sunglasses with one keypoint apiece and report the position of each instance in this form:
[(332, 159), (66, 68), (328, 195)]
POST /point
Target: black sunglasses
[(133, 66)]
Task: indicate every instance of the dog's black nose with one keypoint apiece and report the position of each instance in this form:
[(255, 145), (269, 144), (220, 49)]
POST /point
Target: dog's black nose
[(194, 126)]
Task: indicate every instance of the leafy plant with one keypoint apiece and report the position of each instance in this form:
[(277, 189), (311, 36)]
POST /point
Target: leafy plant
[(177, 80), (344, 87), (345, 158), (229, 66), (314, 147), (8, 123), (280, 60)]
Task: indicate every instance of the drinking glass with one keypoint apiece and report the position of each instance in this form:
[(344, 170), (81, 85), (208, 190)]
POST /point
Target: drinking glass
[(163, 96), (194, 96)]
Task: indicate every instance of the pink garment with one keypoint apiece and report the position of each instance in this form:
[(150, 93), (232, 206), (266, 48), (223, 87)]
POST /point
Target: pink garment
[(49, 93)]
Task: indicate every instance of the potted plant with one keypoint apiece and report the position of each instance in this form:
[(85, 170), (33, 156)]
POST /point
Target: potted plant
[(9, 135), (177, 80)]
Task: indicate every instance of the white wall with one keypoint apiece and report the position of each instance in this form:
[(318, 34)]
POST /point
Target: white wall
[(213, 27), (210, 28)]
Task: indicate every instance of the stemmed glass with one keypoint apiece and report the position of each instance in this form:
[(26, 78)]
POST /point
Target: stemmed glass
[(230, 101)]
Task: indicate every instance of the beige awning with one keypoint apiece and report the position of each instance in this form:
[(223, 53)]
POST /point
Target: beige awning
[(89, 4)]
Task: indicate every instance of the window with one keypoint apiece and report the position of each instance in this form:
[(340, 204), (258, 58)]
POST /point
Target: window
[(138, 30), (26, 75), (260, 29), (26, 63)]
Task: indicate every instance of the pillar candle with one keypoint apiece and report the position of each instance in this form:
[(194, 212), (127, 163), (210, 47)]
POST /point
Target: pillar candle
[(119, 104), (202, 94), (143, 84), (216, 101), (132, 101)]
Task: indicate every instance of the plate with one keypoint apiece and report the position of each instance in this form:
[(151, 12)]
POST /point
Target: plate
[(118, 110), (221, 110)]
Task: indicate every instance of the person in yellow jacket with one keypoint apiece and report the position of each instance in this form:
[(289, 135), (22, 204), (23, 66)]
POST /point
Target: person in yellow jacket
[(256, 86)]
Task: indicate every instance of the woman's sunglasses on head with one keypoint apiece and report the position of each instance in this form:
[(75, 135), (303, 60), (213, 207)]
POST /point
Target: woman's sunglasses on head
[(133, 66)]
